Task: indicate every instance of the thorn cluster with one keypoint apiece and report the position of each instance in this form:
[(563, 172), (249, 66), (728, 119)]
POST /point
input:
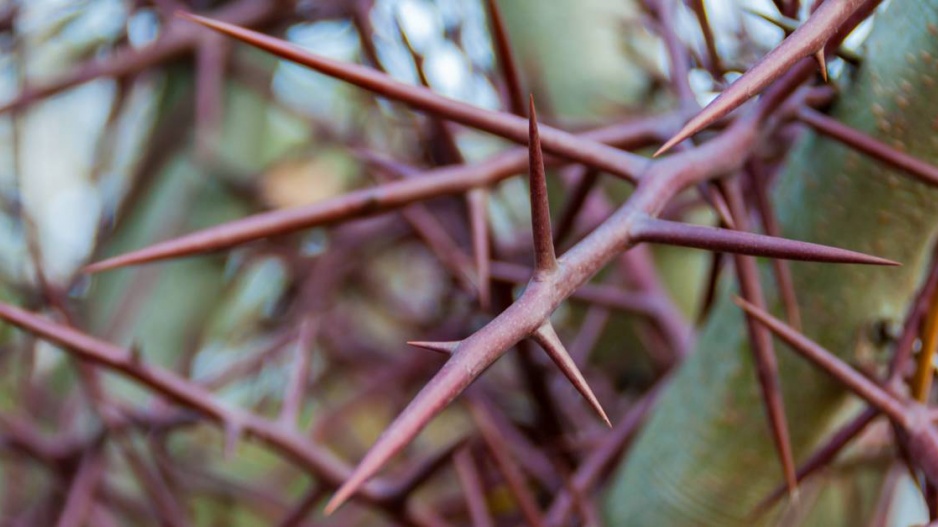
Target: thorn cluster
[(728, 174)]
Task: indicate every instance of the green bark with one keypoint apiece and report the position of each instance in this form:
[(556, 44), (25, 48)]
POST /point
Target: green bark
[(706, 457)]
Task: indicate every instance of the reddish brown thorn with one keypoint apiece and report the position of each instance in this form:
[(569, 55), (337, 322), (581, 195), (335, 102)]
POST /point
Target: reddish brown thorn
[(506, 463), (446, 348), (717, 202), (154, 484), (211, 60), (81, 494), (700, 237), (304, 507), (920, 170), (788, 25), (476, 198), (766, 365), (606, 296), (468, 361), (423, 471), (902, 357), (714, 271), (786, 287), (426, 225), (821, 62), (479, 228), (857, 383), (714, 64), (805, 41), (612, 160), (548, 339), (823, 456), (129, 60), (545, 261), (885, 509), (356, 204), (582, 187), (233, 432), (506, 59), (295, 392), (183, 391), (471, 483), (609, 451), (678, 58)]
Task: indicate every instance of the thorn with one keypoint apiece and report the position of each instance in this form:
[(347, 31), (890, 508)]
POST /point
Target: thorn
[(470, 359), (584, 184), (506, 463), (447, 348), (506, 59), (233, 432), (472, 488), (821, 63), (420, 473), (545, 261), (701, 237), (512, 127), (788, 25), (827, 361), (478, 225), (804, 41), (136, 354), (865, 144), (771, 227), (822, 456), (548, 339), (710, 194), (765, 362), (714, 271)]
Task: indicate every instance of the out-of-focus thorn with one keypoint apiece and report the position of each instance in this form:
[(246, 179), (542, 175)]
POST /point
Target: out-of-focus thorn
[(424, 470), (548, 339), (766, 364), (467, 362), (482, 414), (827, 361), (471, 483), (478, 225), (506, 60), (805, 41), (446, 348), (716, 201), (821, 62), (788, 25), (612, 160), (233, 433), (780, 268), (821, 457), (865, 144), (575, 202), (545, 261), (701, 237)]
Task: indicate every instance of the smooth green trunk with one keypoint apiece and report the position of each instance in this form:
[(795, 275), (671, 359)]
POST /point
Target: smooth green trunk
[(706, 457)]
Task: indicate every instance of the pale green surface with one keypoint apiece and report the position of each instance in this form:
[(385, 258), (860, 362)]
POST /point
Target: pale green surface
[(706, 457), (575, 50)]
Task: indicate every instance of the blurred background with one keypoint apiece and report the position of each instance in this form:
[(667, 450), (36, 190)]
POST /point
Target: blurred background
[(154, 128)]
